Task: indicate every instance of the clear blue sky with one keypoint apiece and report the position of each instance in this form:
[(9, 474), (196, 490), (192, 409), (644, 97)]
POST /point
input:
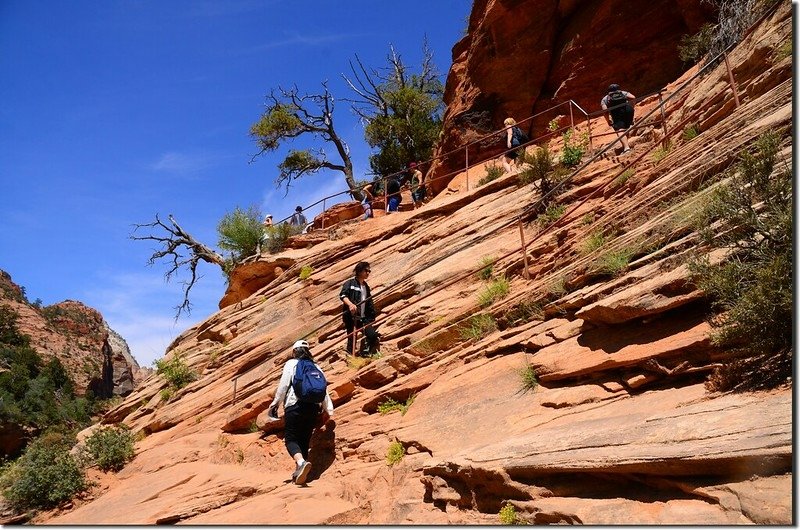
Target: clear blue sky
[(112, 110)]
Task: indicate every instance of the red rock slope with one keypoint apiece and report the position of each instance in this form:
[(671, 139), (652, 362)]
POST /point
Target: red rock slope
[(620, 430)]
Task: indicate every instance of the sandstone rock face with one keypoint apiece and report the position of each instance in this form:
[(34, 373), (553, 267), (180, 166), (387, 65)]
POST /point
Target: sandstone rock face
[(617, 428), (94, 355), (524, 56)]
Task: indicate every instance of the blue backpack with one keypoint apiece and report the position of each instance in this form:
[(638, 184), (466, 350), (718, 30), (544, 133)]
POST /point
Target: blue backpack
[(309, 383)]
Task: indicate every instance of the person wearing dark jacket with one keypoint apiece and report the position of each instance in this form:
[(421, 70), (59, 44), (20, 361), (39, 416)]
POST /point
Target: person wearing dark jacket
[(358, 310), (393, 194)]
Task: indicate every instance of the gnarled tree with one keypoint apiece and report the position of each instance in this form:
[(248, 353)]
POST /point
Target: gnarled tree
[(290, 115), (401, 110), (176, 242)]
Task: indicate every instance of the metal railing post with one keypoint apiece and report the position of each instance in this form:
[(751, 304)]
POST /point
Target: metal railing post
[(571, 118), (524, 251), (385, 196), (466, 163), (731, 80), (665, 141), (323, 214)]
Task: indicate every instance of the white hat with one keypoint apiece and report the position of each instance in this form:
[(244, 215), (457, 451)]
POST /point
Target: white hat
[(300, 344)]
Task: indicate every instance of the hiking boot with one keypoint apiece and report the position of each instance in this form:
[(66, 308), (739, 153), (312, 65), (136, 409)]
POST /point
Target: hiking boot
[(301, 473)]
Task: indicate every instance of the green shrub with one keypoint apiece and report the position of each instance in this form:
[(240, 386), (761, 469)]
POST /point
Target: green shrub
[(753, 289), (595, 240), (496, 290), (573, 150), (693, 47), (111, 447), (487, 265), (395, 453), (784, 51), (587, 219), (276, 236), (551, 214), (528, 380), (523, 312), (508, 515), (554, 124), (623, 177), (390, 405), (477, 327), (45, 475), (240, 232), (540, 168), (166, 394), (493, 172), (306, 271), (614, 262), (175, 371), (661, 153), (691, 132)]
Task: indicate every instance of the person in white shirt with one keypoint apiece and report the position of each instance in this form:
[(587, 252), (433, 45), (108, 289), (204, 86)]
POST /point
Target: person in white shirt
[(300, 416)]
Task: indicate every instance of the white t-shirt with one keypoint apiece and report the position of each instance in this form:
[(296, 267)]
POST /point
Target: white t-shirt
[(285, 389)]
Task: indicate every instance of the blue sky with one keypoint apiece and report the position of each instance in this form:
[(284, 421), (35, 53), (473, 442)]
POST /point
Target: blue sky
[(112, 111)]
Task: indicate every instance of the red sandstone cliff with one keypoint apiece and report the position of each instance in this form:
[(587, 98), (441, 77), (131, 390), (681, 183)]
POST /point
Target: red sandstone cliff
[(523, 56)]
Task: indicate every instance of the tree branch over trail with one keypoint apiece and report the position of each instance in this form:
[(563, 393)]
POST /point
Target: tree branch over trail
[(289, 115), (174, 240)]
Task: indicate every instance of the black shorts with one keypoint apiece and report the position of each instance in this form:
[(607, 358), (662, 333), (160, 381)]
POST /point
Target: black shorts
[(622, 118), (512, 155)]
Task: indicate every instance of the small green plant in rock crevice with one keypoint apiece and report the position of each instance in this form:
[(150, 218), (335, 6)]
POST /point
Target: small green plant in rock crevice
[(493, 172), (691, 132), (614, 262), (306, 271), (496, 290), (573, 150), (660, 153), (528, 380), (390, 405), (395, 453), (595, 240), (508, 515), (551, 214), (477, 327), (175, 371), (487, 266)]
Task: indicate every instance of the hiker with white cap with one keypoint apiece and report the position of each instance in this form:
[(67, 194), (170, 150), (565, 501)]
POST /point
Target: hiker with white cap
[(303, 390), (266, 225)]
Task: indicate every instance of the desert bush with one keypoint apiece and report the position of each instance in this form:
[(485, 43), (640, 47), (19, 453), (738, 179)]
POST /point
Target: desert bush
[(693, 47), (691, 132), (523, 312), (784, 51), (493, 172), (661, 152), (276, 236), (477, 327), (487, 265), (551, 214), (595, 240), (540, 168), (508, 515), (573, 149), (527, 379), (240, 232), (614, 262), (45, 475), (390, 405), (753, 289), (306, 271), (395, 453), (111, 447), (623, 177), (496, 290), (175, 371)]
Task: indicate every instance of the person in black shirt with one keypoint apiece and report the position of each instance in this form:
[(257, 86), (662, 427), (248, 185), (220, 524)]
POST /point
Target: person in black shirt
[(358, 310), (393, 193)]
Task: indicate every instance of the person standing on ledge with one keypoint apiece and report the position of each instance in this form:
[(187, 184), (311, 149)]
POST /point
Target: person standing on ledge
[(358, 310), (303, 390), (619, 112)]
